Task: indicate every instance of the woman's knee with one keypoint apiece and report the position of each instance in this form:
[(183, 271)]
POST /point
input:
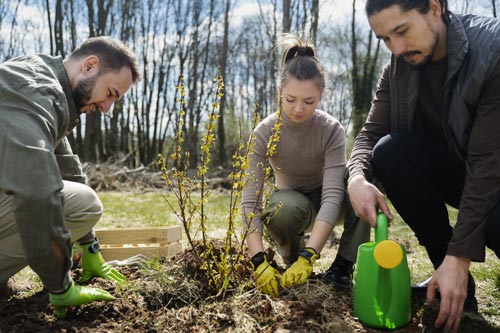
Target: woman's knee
[(289, 209), (292, 205)]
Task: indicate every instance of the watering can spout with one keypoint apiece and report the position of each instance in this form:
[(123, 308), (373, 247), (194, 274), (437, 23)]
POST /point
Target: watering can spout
[(382, 289)]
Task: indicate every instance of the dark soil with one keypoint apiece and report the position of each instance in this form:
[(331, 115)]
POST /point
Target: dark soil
[(172, 295)]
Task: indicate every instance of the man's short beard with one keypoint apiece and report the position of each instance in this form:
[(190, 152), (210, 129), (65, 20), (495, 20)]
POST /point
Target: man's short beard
[(82, 93), (428, 59)]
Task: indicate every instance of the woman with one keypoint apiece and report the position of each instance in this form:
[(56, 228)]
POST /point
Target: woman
[(308, 163)]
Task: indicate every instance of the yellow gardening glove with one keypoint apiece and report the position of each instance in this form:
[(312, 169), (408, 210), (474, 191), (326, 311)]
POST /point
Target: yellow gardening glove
[(301, 269), (266, 276)]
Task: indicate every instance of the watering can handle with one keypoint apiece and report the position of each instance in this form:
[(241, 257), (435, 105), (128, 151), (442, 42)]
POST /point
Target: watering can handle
[(381, 231), (387, 253)]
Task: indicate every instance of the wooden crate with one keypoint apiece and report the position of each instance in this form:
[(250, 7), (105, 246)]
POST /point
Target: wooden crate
[(123, 243)]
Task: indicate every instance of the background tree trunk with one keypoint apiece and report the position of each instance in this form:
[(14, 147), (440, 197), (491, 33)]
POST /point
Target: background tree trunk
[(94, 149), (49, 20), (221, 130), (287, 20), (314, 21), (362, 80), (58, 30)]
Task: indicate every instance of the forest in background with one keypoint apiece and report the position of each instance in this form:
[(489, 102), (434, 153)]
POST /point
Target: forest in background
[(196, 40)]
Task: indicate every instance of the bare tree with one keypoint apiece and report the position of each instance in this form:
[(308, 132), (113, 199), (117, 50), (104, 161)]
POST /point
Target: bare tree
[(222, 158), (301, 17), (58, 30), (161, 109), (193, 80), (118, 135), (75, 138), (56, 37), (47, 8), (314, 20), (362, 75), (94, 149), (287, 20), (14, 44), (3, 14)]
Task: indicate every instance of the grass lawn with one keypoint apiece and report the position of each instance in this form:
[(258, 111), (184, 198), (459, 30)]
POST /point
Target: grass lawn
[(151, 209)]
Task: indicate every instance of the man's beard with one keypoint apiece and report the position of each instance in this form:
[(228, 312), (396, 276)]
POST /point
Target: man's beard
[(82, 93), (428, 59)]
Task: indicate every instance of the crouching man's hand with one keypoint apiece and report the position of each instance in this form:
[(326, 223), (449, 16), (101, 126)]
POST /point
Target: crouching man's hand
[(76, 295), (93, 264)]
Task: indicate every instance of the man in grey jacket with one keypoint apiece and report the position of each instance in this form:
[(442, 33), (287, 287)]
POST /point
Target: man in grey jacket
[(44, 202), (431, 138)]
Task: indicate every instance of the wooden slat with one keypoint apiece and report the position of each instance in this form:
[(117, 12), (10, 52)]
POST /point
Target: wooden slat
[(150, 251), (171, 249), (139, 235)]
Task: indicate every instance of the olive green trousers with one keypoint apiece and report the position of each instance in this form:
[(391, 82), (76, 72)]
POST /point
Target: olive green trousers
[(290, 214)]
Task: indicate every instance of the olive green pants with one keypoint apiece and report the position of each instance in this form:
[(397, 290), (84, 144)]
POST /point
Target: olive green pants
[(356, 232), (289, 214)]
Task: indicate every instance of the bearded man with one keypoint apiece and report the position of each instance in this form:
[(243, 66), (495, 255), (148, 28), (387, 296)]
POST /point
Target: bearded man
[(45, 204)]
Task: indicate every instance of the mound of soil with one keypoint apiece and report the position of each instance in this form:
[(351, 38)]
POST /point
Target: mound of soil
[(173, 295)]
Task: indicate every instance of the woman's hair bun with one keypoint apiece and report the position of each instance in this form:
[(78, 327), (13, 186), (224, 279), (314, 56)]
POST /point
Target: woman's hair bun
[(303, 51)]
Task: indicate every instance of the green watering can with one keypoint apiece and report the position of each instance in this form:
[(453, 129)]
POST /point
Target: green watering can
[(382, 289)]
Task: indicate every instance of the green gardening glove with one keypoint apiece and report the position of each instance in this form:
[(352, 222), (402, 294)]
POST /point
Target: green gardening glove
[(93, 264), (266, 276), (76, 295), (301, 269)]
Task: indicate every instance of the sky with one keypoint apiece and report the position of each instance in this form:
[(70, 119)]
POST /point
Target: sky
[(339, 10)]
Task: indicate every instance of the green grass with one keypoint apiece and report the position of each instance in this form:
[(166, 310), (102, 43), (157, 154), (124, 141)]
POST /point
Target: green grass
[(151, 209)]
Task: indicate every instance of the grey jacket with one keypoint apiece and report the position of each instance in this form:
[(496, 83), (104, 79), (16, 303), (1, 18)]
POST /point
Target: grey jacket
[(471, 118), (37, 111)]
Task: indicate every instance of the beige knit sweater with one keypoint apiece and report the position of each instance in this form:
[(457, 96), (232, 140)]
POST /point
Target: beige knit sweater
[(309, 157)]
